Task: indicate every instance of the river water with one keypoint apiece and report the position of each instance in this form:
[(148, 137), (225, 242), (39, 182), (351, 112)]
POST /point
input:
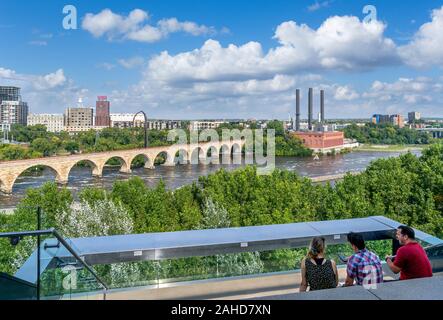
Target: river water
[(180, 175)]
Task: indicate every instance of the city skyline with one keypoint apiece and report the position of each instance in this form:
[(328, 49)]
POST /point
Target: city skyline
[(176, 62)]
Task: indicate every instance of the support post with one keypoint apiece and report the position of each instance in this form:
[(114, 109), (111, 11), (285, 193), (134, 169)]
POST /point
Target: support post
[(38, 252), (395, 246)]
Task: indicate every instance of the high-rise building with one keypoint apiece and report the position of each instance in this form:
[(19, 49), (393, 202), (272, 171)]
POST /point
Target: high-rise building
[(414, 116), (53, 122), (380, 119), (102, 112), (12, 109), (397, 120), (9, 94), (14, 112), (79, 119)]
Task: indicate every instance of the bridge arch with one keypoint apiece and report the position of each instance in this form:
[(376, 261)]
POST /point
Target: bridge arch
[(125, 164), (4, 187), (97, 169), (181, 156), (225, 150), (236, 149), (164, 158), (60, 177), (212, 155), (198, 155), (147, 160)]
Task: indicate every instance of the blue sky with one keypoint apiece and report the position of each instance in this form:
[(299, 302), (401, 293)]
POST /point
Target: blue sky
[(225, 59)]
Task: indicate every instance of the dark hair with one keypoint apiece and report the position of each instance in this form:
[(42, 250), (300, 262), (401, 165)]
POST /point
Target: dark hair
[(357, 240), (407, 231), (317, 247)]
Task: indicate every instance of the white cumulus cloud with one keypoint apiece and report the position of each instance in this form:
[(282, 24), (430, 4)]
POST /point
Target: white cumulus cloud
[(341, 43), (345, 93), (50, 80), (7, 73), (426, 47), (135, 26)]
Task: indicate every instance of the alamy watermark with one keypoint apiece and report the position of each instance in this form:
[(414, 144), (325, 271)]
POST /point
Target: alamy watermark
[(370, 280), (70, 281), (70, 19), (371, 13)]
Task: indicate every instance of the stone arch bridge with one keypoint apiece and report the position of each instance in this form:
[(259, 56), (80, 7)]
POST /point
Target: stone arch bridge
[(62, 165)]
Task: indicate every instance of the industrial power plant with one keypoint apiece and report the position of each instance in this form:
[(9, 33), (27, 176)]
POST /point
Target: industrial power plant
[(320, 137)]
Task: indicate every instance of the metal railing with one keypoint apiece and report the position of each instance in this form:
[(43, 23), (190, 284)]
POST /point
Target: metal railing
[(60, 239)]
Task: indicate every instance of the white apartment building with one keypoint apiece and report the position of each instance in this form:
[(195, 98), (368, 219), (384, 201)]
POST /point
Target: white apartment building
[(53, 122), (13, 112), (203, 125), (126, 120)]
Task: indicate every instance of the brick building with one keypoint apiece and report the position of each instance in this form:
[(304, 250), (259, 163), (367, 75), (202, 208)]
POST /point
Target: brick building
[(322, 141), (102, 112)]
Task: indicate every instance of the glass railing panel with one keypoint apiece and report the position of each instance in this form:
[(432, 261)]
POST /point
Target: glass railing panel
[(167, 272), (66, 277)]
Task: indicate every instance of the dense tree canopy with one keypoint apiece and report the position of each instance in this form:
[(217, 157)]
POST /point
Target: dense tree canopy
[(386, 134)]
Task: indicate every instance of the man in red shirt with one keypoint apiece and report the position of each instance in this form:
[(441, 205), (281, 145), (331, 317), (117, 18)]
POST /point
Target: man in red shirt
[(411, 260)]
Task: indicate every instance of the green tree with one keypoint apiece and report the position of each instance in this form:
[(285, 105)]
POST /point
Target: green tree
[(44, 146), (71, 146)]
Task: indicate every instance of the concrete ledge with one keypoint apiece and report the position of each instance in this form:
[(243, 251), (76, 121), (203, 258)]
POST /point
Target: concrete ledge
[(418, 289)]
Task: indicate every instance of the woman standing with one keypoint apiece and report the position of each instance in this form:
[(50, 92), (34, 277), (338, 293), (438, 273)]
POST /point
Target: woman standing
[(317, 272)]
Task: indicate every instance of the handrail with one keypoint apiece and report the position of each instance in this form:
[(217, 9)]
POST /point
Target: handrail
[(57, 235)]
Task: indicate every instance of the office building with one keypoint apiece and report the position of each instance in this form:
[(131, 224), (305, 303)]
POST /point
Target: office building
[(163, 124), (102, 112), (203, 125), (126, 120), (397, 120), (414, 116), (9, 94), (53, 122), (381, 119), (14, 112), (79, 119), (12, 109)]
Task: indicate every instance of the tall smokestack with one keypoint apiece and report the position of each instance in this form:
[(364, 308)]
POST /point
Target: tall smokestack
[(310, 108), (297, 113), (322, 105)]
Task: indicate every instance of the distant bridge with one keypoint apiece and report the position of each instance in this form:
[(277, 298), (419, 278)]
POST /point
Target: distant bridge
[(436, 133), (62, 165)]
